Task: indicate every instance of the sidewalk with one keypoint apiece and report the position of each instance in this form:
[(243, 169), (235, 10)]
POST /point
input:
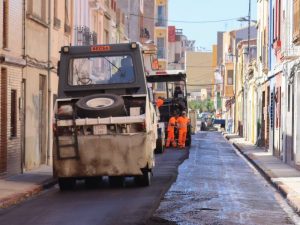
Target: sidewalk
[(18, 188), (282, 176)]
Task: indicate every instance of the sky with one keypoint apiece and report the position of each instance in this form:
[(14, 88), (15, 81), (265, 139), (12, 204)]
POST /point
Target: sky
[(205, 34)]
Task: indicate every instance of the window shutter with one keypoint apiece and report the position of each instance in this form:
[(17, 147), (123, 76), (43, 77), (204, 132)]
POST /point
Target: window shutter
[(296, 22)]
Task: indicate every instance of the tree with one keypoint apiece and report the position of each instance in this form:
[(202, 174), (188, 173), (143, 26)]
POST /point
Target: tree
[(202, 106)]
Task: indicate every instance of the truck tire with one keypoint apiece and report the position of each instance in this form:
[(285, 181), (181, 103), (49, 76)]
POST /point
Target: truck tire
[(100, 105), (159, 146), (66, 183), (144, 180), (92, 182), (188, 141), (116, 181)]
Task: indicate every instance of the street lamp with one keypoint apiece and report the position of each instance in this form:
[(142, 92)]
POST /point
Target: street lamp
[(245, 19)]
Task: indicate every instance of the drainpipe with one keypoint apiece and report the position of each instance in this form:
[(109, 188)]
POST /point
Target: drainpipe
[(23, 106), (49, 86)]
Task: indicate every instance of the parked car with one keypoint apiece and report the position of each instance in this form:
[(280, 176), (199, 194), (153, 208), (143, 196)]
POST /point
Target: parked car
[(219, 123)]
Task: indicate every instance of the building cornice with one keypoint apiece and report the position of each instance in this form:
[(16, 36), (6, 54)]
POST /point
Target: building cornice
[(9, 60)]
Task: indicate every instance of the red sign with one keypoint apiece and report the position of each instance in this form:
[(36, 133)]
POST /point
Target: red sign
[(103, 48), (172, 34)]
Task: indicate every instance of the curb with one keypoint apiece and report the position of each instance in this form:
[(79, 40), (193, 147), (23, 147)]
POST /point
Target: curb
[(17, 198), (293, 200)]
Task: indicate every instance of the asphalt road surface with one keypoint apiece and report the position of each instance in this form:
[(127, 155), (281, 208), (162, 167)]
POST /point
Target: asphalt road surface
[(102, 205), (217, 186)]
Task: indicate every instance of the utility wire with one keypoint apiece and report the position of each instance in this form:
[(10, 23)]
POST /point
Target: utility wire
[(185, 21)]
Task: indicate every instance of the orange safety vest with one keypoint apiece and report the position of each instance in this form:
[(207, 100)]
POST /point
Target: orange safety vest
[(171, 124), (159, 102), (183, 122)]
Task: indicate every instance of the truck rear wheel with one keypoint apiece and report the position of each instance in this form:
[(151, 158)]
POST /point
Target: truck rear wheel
[(92, 182), (188, 141), (66, 183), (159, 146), (145, 179), (100, 105), (116, 181)]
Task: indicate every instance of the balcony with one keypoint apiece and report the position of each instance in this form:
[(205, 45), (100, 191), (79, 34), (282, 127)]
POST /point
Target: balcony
[(56, 22), (296, 38), (84, 36), (67, 28), (144, 33)]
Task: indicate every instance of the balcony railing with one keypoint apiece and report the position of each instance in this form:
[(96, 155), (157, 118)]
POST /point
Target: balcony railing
[(144, 33), (56, 22), (67, 29), (84, 36)]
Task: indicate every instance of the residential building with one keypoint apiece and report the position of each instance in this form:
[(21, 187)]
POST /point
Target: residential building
[(161, 33), (28, 58), (178, 44), (228, 70), (200, 72), (263, 84), (36, 83), (134, 13), (12, 87), (289, 99), (149, 20), (61, 23), (91, 25), (47, 27)]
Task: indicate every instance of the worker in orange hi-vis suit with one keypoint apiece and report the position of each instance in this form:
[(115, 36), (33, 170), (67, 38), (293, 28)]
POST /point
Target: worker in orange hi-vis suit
[(159, 102), (182, 123), (171, 127)]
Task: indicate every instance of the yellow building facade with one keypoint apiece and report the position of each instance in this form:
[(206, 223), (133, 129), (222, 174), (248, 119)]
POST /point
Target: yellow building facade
[(200, 71), (161, 33)]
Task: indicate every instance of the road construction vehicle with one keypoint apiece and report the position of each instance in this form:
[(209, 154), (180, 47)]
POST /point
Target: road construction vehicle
[(171, 85), (105, 123)]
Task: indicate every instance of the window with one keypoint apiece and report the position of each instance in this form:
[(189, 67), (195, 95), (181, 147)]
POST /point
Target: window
[(230, 77), (161, 86), (13, 113), (177, 57), (101, 70), (56, 21), (67, 17), (55, 8), (5, 24), (161, 16), (161, 48), (106, 35), (38, 9), (296, 22)]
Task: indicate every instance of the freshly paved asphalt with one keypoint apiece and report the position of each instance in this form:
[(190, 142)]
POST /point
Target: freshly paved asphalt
[(102, 205), (217, 186)]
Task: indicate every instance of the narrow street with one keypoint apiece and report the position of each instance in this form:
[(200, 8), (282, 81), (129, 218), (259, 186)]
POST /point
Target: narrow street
[(102, 205), (217, 186)]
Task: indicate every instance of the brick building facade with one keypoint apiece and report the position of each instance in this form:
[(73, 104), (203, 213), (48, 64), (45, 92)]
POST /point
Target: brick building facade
[(11, 67)]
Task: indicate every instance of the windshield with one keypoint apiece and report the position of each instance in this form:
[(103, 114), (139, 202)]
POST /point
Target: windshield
[(101, 70)]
